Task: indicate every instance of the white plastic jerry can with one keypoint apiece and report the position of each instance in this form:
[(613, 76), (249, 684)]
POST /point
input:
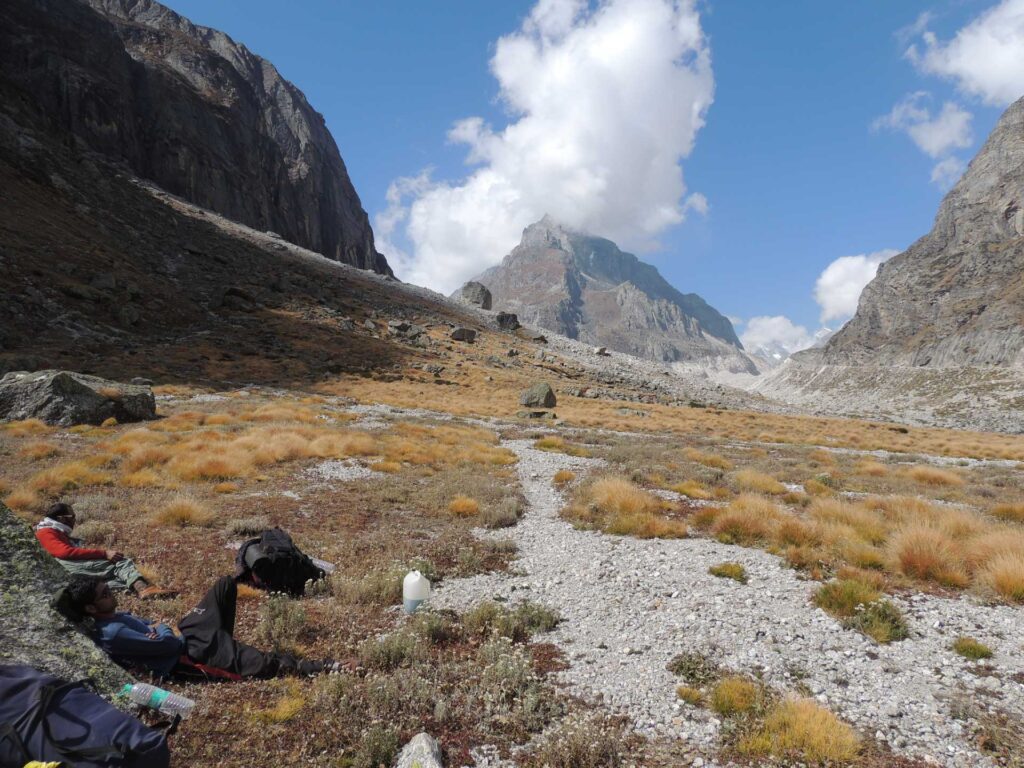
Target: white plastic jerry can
[(415, 589)]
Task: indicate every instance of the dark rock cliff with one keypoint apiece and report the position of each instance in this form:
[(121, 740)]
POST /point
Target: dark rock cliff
[(585, 288), (188, 108)]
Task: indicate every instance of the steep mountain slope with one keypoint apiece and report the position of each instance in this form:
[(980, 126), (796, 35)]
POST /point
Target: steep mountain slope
[(956, 296), (188, 108), (585, 288), (938, 336)]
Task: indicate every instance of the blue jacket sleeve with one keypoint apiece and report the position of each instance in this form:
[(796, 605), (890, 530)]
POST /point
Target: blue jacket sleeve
[(129, 643)]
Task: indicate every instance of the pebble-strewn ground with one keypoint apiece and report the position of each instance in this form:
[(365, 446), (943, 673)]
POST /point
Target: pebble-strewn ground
[(630, 605)]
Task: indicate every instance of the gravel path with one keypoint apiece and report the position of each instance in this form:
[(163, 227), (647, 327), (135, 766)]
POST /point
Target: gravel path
[(629, 606)]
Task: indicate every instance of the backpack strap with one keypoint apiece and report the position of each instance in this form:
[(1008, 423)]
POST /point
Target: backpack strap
[(46, 695), (9, 733)]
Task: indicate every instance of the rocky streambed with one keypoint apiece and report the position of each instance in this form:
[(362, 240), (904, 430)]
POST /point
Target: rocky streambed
[(629, 606)]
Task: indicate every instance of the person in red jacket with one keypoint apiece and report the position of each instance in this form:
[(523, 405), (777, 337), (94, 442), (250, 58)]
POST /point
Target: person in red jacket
[(54, 533)]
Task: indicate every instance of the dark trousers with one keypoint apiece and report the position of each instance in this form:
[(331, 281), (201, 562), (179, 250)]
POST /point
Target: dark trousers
[(209, 628)]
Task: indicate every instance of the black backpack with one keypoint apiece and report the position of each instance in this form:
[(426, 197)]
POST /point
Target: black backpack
[(271, 561), (47, 719)]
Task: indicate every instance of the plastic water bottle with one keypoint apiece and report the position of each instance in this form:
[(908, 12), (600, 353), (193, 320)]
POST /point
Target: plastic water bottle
[(415, 589), (167, 703)]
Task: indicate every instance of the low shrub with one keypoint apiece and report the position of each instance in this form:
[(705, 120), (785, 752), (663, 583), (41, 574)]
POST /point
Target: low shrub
[(247, 526), (518, 624), (695, 668), (734, 571), (582, 741), (390, 651), (281, 622), (970, 648), (799, 729), (379, 587), (881, 621), (504, 514), (378, 748)]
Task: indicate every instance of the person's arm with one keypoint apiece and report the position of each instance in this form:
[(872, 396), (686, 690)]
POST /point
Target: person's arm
[(131, 643), (59, 545)]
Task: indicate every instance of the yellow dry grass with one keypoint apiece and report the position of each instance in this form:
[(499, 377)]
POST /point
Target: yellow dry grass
[(750, 519), (1004, 575), (183, 511), (758, 482), (871, 469), (1009, 512), (464, 506), (617, 506), (712, 460), (692, 489), (65, 477), (800, 729), (27, 427), (225, 488), (934, 476), (141, 478), (733, 695), (38, 450), (563, 477), (24, 500)]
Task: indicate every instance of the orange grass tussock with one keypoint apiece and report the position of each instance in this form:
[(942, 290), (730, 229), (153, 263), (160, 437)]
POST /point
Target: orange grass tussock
[(27, 427), (464, 506), (758, 482), (935, 476), (38, 450), (183, 511)]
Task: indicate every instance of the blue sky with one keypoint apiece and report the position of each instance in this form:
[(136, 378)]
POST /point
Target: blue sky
[(796, 159)]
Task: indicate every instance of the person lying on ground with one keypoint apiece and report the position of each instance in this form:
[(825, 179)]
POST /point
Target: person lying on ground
[(54, 533), (205, 634)]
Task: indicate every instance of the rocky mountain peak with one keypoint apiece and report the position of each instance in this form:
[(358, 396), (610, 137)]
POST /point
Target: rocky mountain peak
[(586, 288)]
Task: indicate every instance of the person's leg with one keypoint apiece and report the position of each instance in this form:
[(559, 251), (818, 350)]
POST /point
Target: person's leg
[(126, 573), (101, 569), (208, 629)]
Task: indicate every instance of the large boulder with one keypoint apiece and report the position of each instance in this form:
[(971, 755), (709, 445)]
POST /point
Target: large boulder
[(65, 398), (507, 321), (422, 751), (474, 293), (463, 334), (31, 632), (539, 395)]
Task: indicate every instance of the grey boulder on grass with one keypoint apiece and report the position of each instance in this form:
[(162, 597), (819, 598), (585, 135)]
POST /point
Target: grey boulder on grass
[(66, 398), (539, 395)]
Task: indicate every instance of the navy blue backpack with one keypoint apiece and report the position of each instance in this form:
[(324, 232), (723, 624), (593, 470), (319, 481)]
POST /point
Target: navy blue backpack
[(44, 718)]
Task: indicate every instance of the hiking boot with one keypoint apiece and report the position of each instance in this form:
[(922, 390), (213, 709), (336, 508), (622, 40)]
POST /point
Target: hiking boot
[(156, 593)]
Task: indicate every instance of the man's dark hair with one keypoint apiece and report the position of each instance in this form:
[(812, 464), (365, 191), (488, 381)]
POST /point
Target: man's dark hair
[(81, 591), (60, 509)]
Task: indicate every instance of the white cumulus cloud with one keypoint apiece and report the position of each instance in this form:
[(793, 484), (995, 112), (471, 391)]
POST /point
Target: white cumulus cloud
[(985, 58), (839, 286), (604, 103), (775, 335), (934, 133)]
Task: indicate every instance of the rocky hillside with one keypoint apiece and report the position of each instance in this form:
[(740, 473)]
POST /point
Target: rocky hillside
[(938, 336), (956, 296), (585, 288), (188, 108)]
